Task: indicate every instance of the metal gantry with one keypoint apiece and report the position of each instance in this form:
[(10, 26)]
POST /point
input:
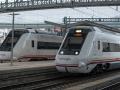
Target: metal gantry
[(114, 22), (67, 25), (49, 4), (32, 25), (73, 20)]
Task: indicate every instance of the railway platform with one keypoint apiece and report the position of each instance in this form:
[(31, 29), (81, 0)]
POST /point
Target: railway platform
[(25, 65)]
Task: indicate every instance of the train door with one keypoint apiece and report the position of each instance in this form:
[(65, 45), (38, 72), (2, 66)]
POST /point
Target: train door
[(97, 48)]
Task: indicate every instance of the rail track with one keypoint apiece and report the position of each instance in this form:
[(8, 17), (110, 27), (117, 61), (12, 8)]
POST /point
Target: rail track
[(115, 86), (111, 85), (46, 78), (22, 72)]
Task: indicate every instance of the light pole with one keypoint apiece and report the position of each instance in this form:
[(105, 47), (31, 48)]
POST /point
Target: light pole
[(12, 40)]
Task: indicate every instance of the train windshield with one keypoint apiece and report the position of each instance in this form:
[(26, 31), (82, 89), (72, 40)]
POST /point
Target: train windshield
[(74, 41), (6, 45)]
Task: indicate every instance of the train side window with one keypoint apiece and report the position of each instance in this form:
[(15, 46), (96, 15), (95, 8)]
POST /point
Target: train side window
[(32, 42), (106, 47), (111, 47), (48, 45), (98, 45), (114, 47)]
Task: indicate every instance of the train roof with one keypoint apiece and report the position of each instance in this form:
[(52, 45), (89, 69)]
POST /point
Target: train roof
[(85, 23), (93, 24), (35, 31)]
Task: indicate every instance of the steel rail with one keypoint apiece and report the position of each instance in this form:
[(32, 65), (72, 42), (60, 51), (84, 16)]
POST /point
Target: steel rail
[(22, 72), (109, 87), (27, 81), (58, 80)]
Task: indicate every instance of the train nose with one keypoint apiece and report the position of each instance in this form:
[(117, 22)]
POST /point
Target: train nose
[(81, 64)]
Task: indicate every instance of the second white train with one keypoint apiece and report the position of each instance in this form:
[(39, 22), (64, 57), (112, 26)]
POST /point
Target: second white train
[(88, 49), (29, 44)]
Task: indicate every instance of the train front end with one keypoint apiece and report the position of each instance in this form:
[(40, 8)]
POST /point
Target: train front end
[(70, 57), (5, 48)]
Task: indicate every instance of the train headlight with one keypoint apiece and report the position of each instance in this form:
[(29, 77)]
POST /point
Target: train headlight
[(76, 53), (78, 31), (61, 52)]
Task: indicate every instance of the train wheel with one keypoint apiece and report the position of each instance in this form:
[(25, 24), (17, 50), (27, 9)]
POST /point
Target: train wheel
[(101, 68), (98, 69), (105, 66)]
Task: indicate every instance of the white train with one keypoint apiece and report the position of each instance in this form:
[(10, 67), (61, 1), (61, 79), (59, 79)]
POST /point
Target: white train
[(88, 49), (30, 44)]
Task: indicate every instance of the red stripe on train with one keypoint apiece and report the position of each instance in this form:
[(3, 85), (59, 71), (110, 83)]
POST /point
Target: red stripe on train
[(67, 65), (37, 56), (107, 60), (93, 62)]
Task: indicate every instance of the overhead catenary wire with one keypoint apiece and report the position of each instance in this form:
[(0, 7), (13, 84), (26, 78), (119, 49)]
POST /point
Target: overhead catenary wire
[(114, 9), (43, 16), (80, 11), (100, 13)]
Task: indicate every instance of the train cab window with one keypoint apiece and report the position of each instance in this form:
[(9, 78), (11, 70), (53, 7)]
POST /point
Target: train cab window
[(6, 45), (98, 45), (74, 41), (32, 43)]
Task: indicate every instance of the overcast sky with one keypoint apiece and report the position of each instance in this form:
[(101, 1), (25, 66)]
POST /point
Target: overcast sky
[(56, 15)]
